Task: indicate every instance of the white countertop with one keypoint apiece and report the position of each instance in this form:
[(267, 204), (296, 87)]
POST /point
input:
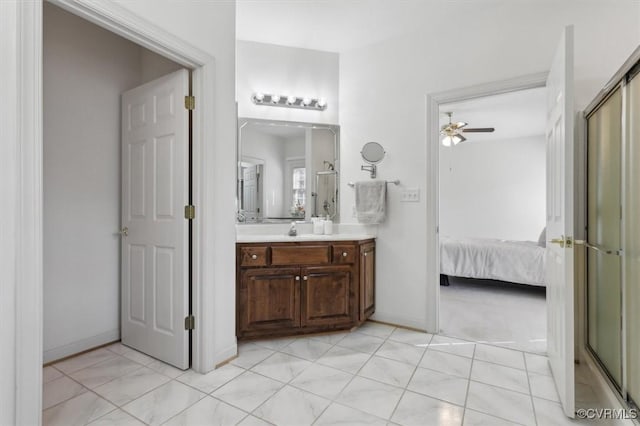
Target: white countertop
[(276, 233), (279, 238)]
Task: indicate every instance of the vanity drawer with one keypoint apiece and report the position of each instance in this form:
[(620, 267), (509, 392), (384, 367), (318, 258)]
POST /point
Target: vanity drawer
[(300, 255), (343, 253), (253, 256)]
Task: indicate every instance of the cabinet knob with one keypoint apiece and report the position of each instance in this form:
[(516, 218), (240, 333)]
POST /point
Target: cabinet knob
[(305, 278), (297, 278), (365, 253), (254, 256), (344, 254)]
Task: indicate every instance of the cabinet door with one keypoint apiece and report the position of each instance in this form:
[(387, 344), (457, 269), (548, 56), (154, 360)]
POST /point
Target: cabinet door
[(269, 299), (327, 296), (367, 280)]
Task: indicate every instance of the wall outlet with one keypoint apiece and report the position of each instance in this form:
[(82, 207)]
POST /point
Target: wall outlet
[(410, 195)]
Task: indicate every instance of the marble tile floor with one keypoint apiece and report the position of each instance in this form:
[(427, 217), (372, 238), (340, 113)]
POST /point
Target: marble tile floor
[(508, 315), (374, 375)]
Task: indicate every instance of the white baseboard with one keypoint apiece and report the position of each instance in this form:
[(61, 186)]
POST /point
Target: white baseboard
[(80, 346), (225, 355), (400, 320)]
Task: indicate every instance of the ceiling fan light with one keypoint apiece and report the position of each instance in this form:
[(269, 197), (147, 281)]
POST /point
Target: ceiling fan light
[(447, 141), (460, 124), (456, 139)]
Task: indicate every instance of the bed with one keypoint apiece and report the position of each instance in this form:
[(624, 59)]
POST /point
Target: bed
[(519, 262)]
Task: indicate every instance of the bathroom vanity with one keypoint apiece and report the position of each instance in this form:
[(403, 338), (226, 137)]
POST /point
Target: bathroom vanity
[(307, 283), (297, 285)]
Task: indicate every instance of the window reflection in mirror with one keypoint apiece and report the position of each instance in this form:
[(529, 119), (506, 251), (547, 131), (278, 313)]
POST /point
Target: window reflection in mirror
[(286, 171)]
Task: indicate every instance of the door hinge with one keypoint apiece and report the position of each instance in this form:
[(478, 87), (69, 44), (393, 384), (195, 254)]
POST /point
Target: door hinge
[(190, 322), (190, 102), (190, 212)]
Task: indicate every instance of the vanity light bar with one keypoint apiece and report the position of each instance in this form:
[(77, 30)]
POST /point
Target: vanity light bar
[(267, 99)]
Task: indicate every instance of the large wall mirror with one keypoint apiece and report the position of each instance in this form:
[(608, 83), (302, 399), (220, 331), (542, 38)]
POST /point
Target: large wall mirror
[(286, 171)]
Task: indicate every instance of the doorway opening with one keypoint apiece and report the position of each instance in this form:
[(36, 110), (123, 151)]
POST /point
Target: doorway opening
[(492, 214), (86, 69)]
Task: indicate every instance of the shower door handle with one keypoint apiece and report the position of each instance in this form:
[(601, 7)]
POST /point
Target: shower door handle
[(599, 248)]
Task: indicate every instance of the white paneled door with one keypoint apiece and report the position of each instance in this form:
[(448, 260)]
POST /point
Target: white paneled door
[(559, 252), (155, 233)]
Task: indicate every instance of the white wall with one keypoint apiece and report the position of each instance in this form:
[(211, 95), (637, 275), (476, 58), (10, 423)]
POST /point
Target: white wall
[(85, 70), (155, 66), (294, 146), (493, 189), (489, 43), (283, 70)]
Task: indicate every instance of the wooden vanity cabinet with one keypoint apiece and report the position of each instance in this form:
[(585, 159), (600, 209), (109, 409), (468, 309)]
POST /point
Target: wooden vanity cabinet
[(327, 296), (303, 287), (367, 280), (270, 299)]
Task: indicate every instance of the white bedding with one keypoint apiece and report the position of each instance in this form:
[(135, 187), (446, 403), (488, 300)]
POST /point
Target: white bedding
[(512, 261)]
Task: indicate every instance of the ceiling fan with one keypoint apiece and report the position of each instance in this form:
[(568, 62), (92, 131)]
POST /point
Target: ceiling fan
[(452, 132)]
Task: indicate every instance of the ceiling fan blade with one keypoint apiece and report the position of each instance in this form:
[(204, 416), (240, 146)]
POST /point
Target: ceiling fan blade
[(479, 130)]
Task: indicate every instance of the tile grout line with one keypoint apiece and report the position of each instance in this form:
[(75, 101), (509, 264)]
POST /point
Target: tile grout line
[(353, 375), (87, 391), (533, 406), (312, 362), (294, 377), (120, 407), (499, 387), (404, 390), (466, 396), (117, 407)]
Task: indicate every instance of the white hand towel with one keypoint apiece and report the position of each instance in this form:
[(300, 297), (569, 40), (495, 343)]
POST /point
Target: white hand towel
[(370, 201)]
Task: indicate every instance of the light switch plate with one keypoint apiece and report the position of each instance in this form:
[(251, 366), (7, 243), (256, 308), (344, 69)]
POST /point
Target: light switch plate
[(410, 195)]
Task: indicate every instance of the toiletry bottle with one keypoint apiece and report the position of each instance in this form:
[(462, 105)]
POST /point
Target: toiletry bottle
[(293, 231), (318, 226), (328, 226)]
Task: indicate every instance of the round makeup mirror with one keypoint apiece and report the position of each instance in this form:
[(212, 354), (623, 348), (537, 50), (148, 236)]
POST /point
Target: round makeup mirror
[(372, 152)]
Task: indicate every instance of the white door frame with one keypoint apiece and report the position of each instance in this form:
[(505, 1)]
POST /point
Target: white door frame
[(21, 244), (433, 101)]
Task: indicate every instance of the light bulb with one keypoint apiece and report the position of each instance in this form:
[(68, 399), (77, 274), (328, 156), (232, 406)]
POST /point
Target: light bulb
[(458, 138), (306, 101), (275, 98), (447, 141), (259, 96), (291, 100), (322, 102)]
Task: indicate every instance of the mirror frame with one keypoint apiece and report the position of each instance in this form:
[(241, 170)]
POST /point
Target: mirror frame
[(384, 153), (333, 128)]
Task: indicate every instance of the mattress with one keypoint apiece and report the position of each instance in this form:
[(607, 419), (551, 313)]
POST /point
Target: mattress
[(512, 261)]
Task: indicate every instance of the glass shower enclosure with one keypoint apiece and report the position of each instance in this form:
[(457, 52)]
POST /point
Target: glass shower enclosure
[(613, 234)]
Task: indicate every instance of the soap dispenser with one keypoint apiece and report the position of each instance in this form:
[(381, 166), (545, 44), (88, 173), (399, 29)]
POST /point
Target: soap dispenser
[(328, 226), (292, 230), (318, 226)]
